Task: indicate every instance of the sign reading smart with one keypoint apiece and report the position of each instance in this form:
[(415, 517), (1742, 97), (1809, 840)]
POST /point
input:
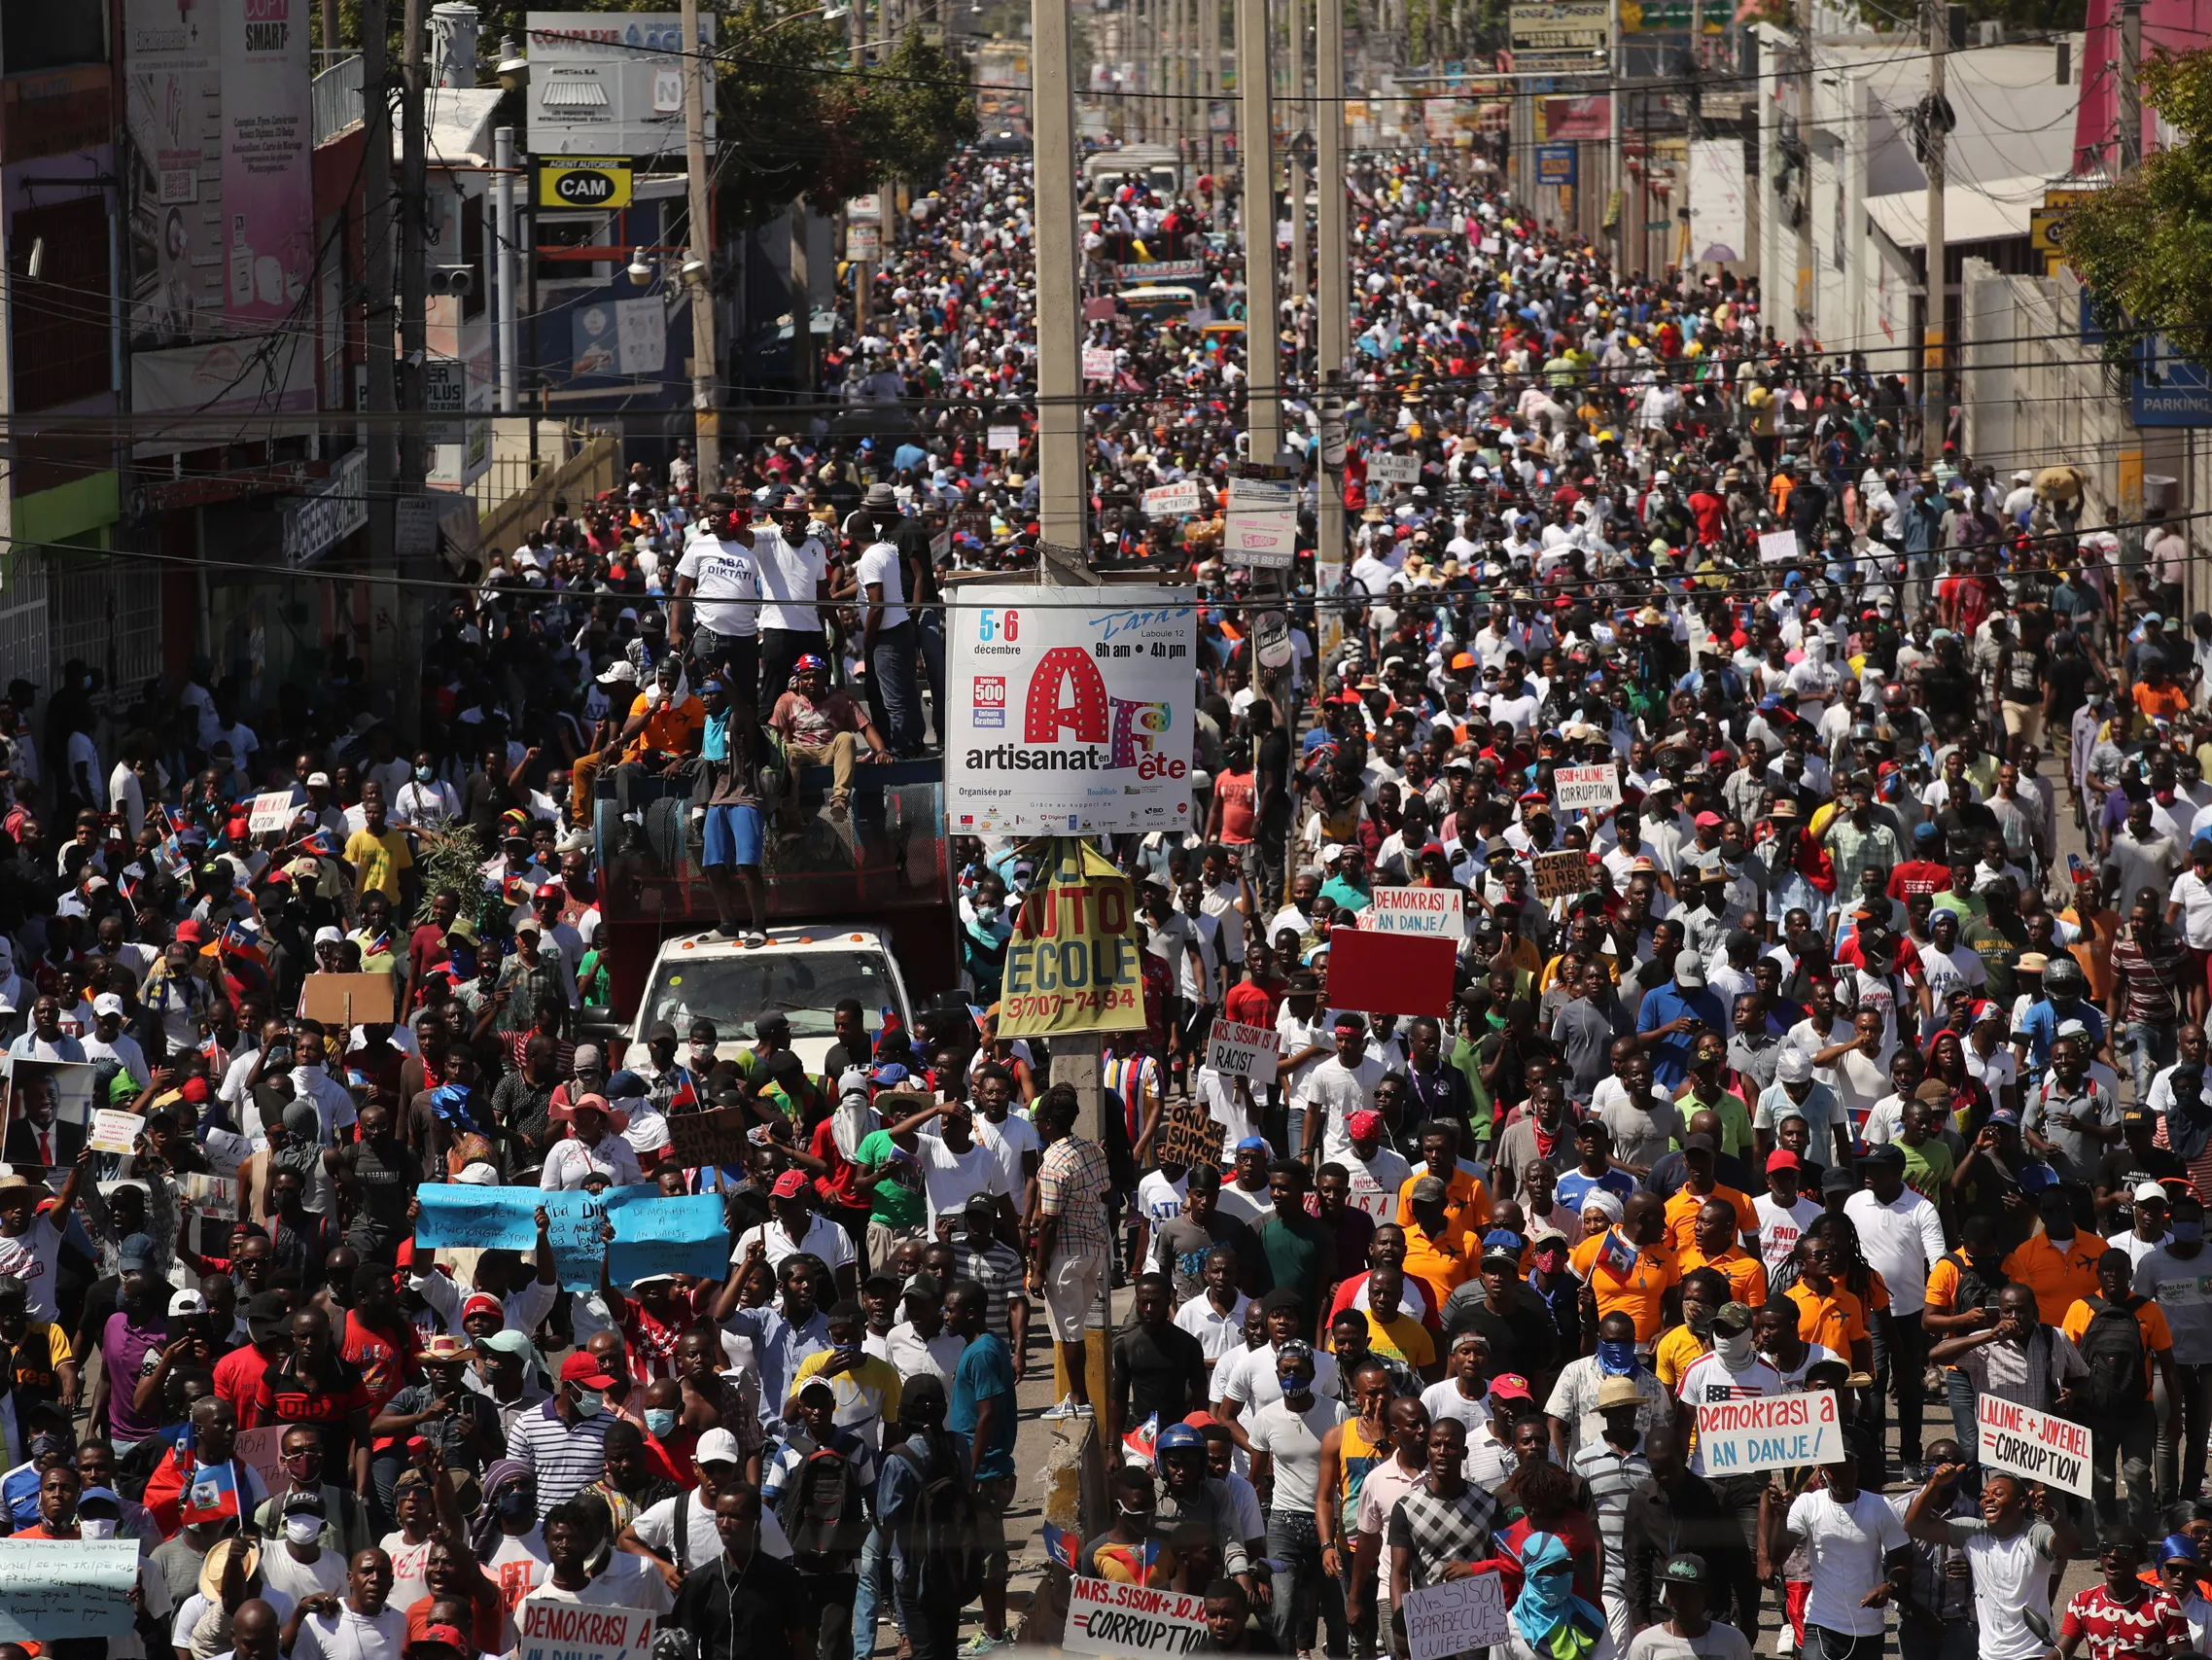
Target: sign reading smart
[(1069, 716), (584, 181)]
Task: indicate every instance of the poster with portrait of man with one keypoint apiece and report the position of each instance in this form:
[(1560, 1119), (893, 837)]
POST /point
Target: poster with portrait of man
[(49, 1103)]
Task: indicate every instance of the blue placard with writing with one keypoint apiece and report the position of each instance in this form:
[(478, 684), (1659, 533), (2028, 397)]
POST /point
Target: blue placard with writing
[(1555, 163), (652, 1234)]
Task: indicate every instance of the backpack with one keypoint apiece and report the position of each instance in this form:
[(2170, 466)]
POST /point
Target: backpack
[(823, 1510), (2112, 1348), (942, 1564), (1974, 1291)]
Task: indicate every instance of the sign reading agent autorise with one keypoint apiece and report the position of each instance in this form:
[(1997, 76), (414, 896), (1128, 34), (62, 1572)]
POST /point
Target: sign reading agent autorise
[(1071, 710), (584, 181)]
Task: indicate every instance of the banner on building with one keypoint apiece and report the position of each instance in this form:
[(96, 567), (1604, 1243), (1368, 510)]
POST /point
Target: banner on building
[(1075, 961), (1717, 215), (1071, 710)]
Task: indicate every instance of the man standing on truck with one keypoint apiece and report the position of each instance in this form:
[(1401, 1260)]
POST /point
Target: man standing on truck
[(795, 579), (819, 726), (732, 746), (717, 605)]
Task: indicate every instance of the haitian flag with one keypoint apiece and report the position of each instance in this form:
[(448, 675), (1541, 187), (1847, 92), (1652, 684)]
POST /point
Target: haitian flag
[(212, 1496)]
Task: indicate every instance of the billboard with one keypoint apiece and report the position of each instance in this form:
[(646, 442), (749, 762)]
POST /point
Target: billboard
[(1558, 26), (610, 84), (1071, 710), (1716, 199), (220, 174)]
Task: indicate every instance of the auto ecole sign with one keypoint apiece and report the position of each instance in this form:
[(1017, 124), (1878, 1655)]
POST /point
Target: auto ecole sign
[(584, 181)]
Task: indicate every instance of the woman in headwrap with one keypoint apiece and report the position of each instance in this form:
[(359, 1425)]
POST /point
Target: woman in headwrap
[(504, 1532), (1550, 1619)]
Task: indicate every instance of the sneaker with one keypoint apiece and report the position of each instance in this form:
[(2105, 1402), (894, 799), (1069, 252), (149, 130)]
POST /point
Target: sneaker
[(982, 1643), (1912, 1474), (1063, 1407)]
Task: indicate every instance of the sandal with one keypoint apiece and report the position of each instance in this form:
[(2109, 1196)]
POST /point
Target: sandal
[(754, 937)]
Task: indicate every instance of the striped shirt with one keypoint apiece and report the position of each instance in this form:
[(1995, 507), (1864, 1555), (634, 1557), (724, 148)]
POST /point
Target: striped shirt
[(792, 1453), (565, 1457), (1072, 1184), (1612, 1475), (999, 1271)]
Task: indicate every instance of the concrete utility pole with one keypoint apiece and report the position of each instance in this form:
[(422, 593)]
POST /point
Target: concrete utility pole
[(1617, 203), (1209, 83), (1300, 247), (2130, 86), (1333, 309), (414, 343), (1255, 180), (1802, 126), (380, 474), (504, 266), (699, 269), (1935, 402)]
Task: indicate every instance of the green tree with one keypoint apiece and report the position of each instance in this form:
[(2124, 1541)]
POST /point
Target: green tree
[(2144, 246)]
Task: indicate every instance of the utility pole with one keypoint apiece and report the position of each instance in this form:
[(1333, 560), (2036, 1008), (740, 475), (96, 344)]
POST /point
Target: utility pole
[(1616, 173), (381, 472), (1333, 319), (1935, 402), (2130, 87), (699, 268), (1802, 125), (1210, 82), (1300, 247), (1255, 181), (503, 268)]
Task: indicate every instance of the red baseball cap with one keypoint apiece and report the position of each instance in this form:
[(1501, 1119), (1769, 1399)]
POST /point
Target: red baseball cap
[(585, 1367), (790, 1185), (1781, 1158)]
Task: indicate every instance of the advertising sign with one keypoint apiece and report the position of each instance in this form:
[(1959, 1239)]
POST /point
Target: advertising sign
[(1075, 962), (1555, 163), (864, 241), (2166, 389), (317, 523), (1262, 528), (1070, 713), (585, 180), (610, 83), (1105, 1616), (1585, 788), (1437, 912), (1770, 1431), (2054, 1451), (269, 144), (1717, 214), (1556, 25)]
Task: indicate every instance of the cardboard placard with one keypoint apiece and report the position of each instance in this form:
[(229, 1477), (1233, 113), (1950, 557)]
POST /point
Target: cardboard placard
[(697, 1140), (348, 1000), (1187, 1135), (262, 1450), (1770, 1431), (554, 1628), (1778, 546), (271, 812), (1098, 362), (1389, 973), (1585, 788), (1560, 875), (2037, 1445), (1440, 913), (1105, 1616), (1455, 1616), (1237, 1050), (1002, 441)]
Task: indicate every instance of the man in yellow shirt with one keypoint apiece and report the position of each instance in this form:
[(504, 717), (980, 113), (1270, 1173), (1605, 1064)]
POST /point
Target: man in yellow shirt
[(1681, 1347), (1827, 1314), (381, 860), (866, 1388)]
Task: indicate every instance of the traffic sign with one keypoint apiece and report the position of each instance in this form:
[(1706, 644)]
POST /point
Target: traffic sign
[(584, 181)]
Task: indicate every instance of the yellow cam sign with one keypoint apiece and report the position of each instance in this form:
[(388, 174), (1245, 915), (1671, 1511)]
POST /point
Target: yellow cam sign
[(584, 181)]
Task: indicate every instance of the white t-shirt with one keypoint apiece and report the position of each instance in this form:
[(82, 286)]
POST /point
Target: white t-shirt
[(951, 1179), (823, 1238), (1947, 969), (1710, 1379), (408, 1584), (2011, 1579), (1720, 1641), (1337, 1090), (1375, 1181), (1009, 1140), (2196, 896), (30, 1257), (1159, 1199), (1844, 1546), (1901, 1242), (727, 594), (282, 1572), (1779, 1229), (788, 579), (1249, 1377), (655, 1528), (1217, 1334), (879, 563), (1293, 1440), (350, 1636)]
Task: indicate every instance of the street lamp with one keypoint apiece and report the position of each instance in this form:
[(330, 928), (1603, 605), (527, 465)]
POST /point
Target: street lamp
[(640, 268)]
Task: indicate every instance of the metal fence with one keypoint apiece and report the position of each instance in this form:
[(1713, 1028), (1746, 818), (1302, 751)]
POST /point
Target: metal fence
[(336, 95)]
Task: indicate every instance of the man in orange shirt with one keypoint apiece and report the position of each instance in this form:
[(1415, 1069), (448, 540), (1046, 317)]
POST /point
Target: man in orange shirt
[(2122, 1428), (1630, 1268), (1826, 1312), (1438, 1252), (2157, 698), (665, 720), (1700, 1189), (1466, 1201), (1715, 1242), (2059, 1265)]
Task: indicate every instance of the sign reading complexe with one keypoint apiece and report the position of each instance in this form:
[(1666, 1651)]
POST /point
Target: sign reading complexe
[(1770, 1432), (2033, 1444)]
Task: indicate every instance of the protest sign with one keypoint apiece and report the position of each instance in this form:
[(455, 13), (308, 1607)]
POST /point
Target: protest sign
[(2033, 1444), (1587, 789), (1262, 526), (50, 1105), (652, 1235), (554, 1628), (1389, 973), (1181, 497), (215, 1200), (1105, 1616), (1770, 1432), (1073, 963), (696, 1139), (1560, 875), (1004, 440), (1098, 362), (1394, 469), (114, 1130), (1778, 546), (270, 812), (348, 1000), (1070, 720), (1454, 1616), (1187, 1135), (1237, 1050), (55, 1589), (1437, 912), (262, 1452)]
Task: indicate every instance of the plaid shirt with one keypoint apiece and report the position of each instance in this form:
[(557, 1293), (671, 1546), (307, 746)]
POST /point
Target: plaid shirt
[(999, 1271), (1072, 1184), (1439, 1531)]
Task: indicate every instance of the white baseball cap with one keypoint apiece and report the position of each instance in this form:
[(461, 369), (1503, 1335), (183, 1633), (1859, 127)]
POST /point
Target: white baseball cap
[(717, 1446), (107, 1003)]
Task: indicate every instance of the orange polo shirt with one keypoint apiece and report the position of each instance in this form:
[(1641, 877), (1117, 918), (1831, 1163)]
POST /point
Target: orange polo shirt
[(2150, 1320), (1682, 1214), (1637, 1293), (1466, 1201), (1834, 1322), (1442, 1263), (2059, 1278), (1746, 1274)]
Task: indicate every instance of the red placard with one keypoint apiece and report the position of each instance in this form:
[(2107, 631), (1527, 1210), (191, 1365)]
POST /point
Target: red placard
[(1389, 973)]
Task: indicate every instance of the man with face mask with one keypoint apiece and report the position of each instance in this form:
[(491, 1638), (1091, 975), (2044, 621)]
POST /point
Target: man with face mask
[(346, 1525), (560, 1443), (69, 1511), (2060, 1263), (2173, 1274)]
